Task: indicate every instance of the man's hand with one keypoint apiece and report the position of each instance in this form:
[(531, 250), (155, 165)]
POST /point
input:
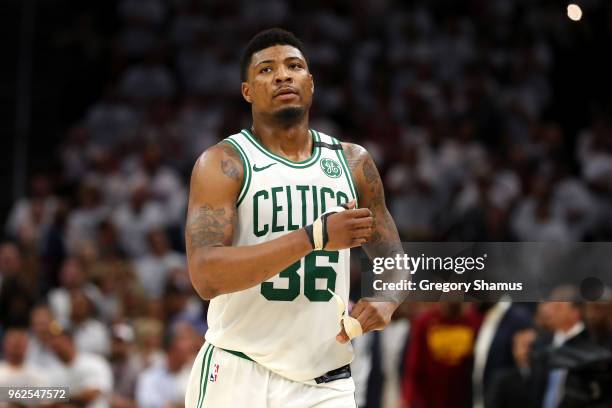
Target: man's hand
[(372, 315), (350, 228)]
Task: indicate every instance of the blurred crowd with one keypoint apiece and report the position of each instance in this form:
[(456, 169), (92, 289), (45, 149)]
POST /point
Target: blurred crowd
[(453, 103)]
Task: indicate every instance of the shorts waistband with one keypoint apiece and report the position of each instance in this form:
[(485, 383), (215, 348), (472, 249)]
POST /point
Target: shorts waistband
[(333, 375)]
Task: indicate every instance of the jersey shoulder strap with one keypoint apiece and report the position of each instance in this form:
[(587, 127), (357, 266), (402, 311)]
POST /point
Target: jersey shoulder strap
[(336, 151), (238, 145)]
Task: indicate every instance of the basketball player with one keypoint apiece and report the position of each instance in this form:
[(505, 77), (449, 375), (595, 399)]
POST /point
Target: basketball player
[(260, 249)]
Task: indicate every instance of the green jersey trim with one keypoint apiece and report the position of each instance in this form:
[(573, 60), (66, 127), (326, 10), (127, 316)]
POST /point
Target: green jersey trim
[(204, 377), (347, 172), (298, 165), (238, 354), (246, 166)]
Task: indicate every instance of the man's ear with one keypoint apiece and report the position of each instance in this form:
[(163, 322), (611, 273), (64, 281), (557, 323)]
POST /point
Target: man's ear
[(246, 92)]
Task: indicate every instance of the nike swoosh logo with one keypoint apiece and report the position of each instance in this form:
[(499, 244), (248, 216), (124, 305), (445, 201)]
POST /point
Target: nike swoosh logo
[(255, 168)]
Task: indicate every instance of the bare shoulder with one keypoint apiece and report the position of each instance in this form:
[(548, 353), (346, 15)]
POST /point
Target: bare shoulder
[(360, 162), (355, 155), (220, 159)]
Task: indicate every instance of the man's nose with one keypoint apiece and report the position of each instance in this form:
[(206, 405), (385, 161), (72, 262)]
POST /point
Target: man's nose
[(283, 75)]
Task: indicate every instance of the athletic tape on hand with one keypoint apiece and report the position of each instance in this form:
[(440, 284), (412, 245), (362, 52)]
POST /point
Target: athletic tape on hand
[(352, 327), (317, 231)]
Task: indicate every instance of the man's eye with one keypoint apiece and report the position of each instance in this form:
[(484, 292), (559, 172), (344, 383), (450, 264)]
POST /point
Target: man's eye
[(264, 70), (295, 66)]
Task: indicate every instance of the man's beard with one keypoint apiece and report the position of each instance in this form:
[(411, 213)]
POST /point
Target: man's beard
[(289, 116)]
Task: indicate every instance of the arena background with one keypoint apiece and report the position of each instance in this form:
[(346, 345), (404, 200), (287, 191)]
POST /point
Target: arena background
[(489, 120)]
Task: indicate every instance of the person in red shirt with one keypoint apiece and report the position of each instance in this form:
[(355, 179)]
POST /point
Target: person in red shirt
[(438, 359)]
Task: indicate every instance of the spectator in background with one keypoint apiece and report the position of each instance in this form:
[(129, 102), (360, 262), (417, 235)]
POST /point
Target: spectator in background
[(40, 353), (72, 277), (30, 217), (187, 333), (411, 180), (116, 283), (493, 349), (509, 387), (392, 342), (110, 122), (164, 385), (134, 219), (124, 365), (10, 261), (573, 202), (148, 80), (88, 376), (439, 356), (89, 334), (165, 186), (534, 219), (181, 304), (16, 292), (565, 318), (153, 269), (108, 244), (14, 370), (148, 349), (54, 249), (83, 221)]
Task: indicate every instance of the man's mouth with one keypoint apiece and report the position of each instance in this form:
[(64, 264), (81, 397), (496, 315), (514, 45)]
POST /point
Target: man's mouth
[(285, 91)]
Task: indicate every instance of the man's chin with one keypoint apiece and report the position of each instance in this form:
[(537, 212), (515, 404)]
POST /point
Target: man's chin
[(288, 115)]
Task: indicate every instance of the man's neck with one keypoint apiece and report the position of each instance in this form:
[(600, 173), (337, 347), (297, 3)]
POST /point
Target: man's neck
[(292, 142)]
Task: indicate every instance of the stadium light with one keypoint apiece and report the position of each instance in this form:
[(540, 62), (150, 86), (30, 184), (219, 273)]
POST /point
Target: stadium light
[(574, 12)]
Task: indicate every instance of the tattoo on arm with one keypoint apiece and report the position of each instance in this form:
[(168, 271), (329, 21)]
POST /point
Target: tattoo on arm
[(208, 226), (385, 239), (231, 164), (229, 168), (352, 156)]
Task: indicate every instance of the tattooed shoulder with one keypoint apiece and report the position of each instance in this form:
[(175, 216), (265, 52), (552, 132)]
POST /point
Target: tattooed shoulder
[(363, 168), (355, 155), (231, 163)]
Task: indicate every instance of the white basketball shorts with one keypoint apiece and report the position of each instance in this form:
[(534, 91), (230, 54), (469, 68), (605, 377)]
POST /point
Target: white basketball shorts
[(220, 379)]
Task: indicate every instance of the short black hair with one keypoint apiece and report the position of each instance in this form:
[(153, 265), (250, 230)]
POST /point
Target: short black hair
[(265, 39)]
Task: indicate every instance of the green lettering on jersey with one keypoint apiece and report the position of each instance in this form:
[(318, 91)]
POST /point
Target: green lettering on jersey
[(259, 233), (312, 273), (341, 198), (303, 190), (290, 225), (276, 208), (324, 191), (293, 285), (315, 203)]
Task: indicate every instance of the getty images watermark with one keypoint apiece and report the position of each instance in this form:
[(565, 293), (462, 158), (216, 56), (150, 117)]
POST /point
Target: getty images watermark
[(523, 271), (458, 265)]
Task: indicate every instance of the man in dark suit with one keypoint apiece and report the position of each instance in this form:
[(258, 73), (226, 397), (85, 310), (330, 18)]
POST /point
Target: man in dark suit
[(567, 366), (493, 347), (509, 388)]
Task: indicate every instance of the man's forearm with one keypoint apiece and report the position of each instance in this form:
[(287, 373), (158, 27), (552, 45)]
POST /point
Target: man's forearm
[(385, 243), (217, 270)]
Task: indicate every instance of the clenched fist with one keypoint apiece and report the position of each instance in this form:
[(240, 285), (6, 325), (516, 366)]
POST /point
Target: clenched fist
[(371, 314), (350, 228)]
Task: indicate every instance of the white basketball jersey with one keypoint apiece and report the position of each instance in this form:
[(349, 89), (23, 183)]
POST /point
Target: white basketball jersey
[(289, 323)]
